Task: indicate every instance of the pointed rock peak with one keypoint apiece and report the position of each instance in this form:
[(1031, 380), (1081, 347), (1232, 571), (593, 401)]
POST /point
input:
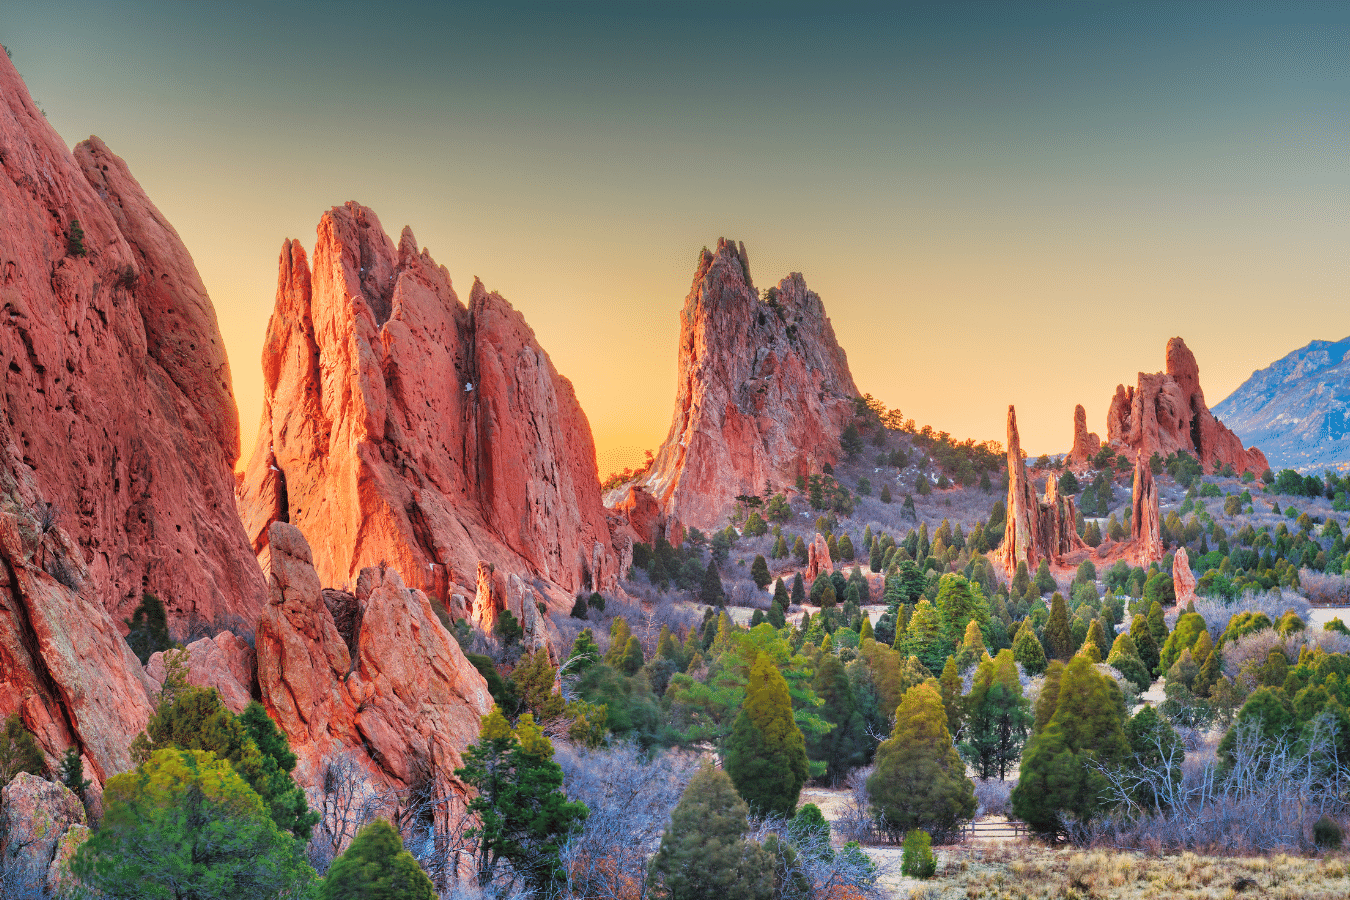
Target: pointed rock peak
[(1014, 441), (1183, 368), (407, 246), (730, 257)]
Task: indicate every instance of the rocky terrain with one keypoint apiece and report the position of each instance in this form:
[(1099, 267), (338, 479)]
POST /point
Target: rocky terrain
[(1295, 408)]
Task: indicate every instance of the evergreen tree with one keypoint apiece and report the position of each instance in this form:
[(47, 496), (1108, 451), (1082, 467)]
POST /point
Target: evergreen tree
[(766, 753), (1059, 774), (949, 685), (1124, 658), (523, 816), (376, 867), (759, 571), (919, 781), (586, 653), (1097, 637), (781, 599), (148, 628), (798, 589), (925, 637), (998, 717), (799, 550), (711, 591), (1153, 743), (972, 647), (1146, 644), (1058, 640), (843, 747), (1045, 582), (704, 854), (72, 772), (1027, 649), (1156, 624), (958, 602), (619, 633)]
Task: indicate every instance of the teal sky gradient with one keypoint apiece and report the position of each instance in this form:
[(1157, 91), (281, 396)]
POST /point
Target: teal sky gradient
[(998, 203)]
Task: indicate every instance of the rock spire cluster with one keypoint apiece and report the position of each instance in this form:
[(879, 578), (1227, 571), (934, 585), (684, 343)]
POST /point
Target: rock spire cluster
[(1145, 521), (1035, 530)]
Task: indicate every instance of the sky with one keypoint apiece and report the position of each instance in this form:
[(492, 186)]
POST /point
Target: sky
[(998, 203)]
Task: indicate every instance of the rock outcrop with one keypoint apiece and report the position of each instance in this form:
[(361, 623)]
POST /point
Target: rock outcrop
[(1085, 443), (225, 662), (1166, 414), (117, 397), (1035, 530), (1183, 579), (402, 428), (402, 705), (818, 560), (644, 515), (763, 391), (1145, 521), (36, 815)]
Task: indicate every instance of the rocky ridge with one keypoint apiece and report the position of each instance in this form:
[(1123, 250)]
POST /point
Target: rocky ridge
[(763, 391), (402, 428)]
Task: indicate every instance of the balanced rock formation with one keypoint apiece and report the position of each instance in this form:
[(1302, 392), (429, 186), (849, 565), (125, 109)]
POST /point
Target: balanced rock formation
[(764, 391), (403, 703), (1036, 530), (1145, 521), (118, 406), (1183, 579), (818, 560), (402, 428), (1166, 414), (1085, 443)]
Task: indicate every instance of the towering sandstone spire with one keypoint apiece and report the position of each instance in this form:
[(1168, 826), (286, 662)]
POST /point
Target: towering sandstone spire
[(402, 427), (762, 392), (1035, 530)]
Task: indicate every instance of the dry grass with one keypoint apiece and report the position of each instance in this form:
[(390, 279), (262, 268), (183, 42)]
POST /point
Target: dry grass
[(1018, 871)]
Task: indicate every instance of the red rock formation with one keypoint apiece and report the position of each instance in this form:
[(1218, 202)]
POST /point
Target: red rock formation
[(641, 511), (117, 391), (1183, 579), (817, 559), (403, 705), (1166, 414), (400, 427), (35, 815), (1085, 443), (763, 391), (225, 662), (1145, 528), (1035, 529)]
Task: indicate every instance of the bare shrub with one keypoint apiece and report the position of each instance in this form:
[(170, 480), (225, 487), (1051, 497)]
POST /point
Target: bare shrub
[(856, 822), (630, 800), (809, 857), (1274, 604), (345, 799), (994, 797), (1325, 589), (1267, 802)]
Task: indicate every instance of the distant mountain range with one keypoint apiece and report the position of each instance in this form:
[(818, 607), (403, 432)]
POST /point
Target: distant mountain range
[(1295, 408)]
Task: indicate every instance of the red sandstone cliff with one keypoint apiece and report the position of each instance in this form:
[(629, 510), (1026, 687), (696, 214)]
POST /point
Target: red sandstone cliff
[(401, 427), (1166, 413), (117, 443), (763, 391)]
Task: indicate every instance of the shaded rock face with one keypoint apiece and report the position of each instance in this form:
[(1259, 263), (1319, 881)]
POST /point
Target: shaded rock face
[(117, 395), (403, 705), (1085, 443), (818, 560), (403, 428), (644, 515), (35, 816), (1166, 414), (1036, 530), (763, 391), (1183, 579), (1145, 521)]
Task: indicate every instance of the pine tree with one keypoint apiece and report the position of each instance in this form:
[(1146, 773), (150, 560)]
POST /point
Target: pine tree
[(1146, 644), (619, 633), (148, 628), (376, 867), (1124, 658), (523, 816), (1045, 582), (843, 747), (1027, 649), (998, 717), (586, 653), (798, 589), (704, 854), (1157, 624), (925, 637), (958, 602), (919, 781), (759, 571), (1058, 639), (711, 592), (1097, 637), (766, 753), (949, 685), (72, 772), (799, 550), (1153, 743), (781, 599), (866, 632), (1060, 777), (972, 647)]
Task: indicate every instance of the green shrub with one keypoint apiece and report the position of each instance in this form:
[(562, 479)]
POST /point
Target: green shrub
[(916, 859), (1327, 833)]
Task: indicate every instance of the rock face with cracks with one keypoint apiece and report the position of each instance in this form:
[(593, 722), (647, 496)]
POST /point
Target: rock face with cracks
[(403, 428), (818, 560), (1183, 579), (1145, 522), (763, 391), (1036, 530), (1166, 414), (403, 704)]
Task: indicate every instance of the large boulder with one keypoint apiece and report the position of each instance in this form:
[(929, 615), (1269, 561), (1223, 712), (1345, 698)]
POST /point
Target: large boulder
[(402, 428), (35, 815), (225, 662), (764, 391)]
